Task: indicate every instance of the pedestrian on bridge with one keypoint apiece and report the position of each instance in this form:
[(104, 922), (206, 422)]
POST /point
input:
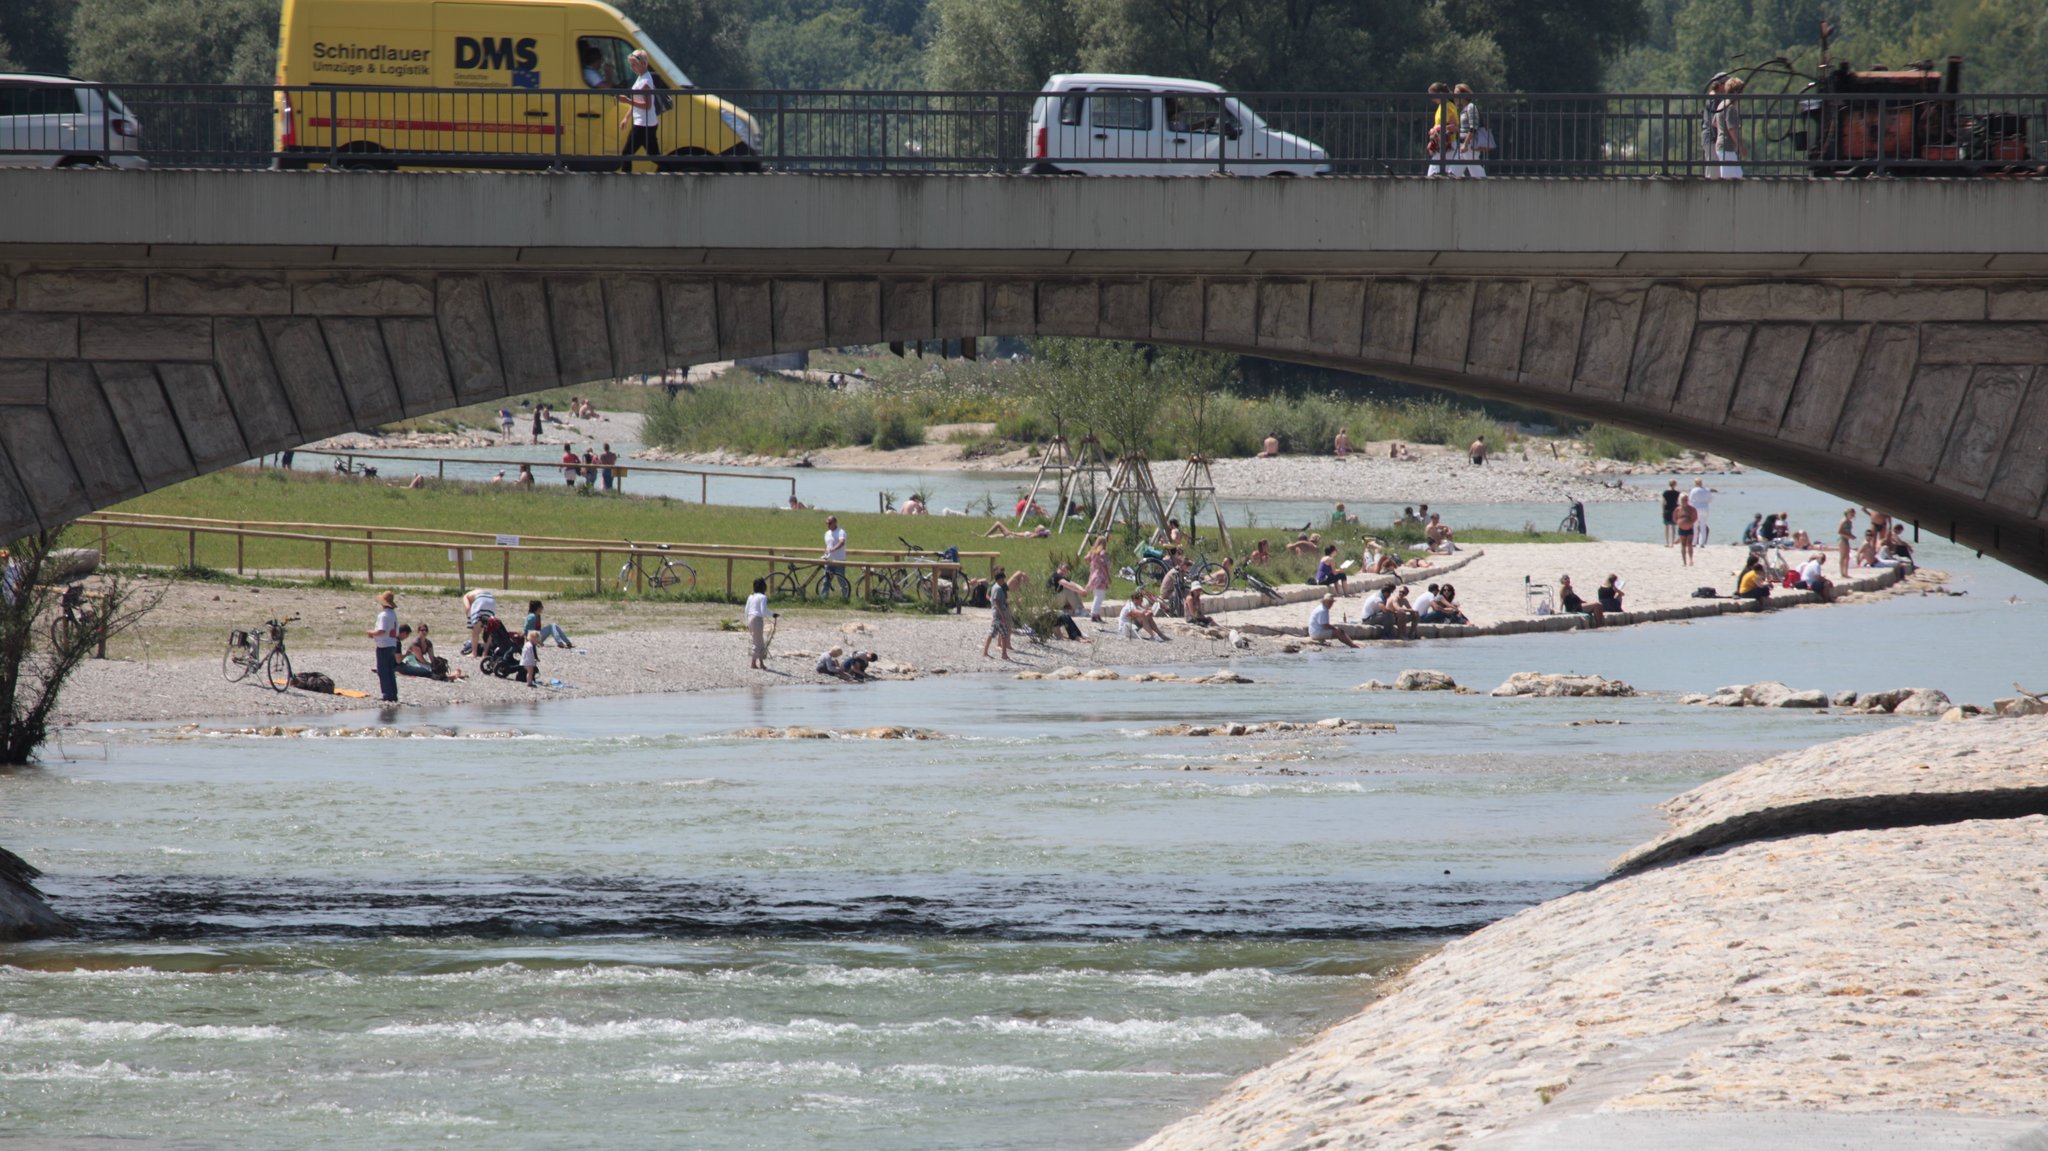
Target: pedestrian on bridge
[(645, 116)]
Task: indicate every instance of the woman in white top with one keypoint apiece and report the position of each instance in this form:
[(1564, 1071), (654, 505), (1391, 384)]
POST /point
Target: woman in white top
[(757, 617), (644, 118)]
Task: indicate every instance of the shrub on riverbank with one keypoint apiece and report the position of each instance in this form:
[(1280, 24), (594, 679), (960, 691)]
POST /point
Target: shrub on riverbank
[(1612, 443)]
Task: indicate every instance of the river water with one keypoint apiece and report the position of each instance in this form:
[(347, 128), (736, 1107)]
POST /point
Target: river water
[(612, 923)]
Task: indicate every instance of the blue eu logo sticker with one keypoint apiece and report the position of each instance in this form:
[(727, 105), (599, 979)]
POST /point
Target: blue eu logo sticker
[(526, 79)]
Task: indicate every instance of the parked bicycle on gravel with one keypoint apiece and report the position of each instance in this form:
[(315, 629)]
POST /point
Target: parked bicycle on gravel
[(75, 614), (246, 654)]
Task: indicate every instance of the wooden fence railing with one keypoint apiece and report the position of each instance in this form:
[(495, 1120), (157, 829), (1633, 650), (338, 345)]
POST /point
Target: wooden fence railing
[(553, 468), (876, 574)]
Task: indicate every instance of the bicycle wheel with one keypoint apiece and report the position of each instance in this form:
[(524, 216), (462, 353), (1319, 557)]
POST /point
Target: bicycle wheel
[(62, 630), (1214, 578), (626, 576), (936, 589), (785, 585), (278, 669), (1150, 572), (234, 665), (683, 577)]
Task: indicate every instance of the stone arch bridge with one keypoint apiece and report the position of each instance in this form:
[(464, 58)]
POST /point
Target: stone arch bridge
[(1883, 340)]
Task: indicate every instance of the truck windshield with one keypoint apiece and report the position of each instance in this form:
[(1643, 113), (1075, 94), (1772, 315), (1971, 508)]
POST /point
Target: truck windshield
[(663, 66)]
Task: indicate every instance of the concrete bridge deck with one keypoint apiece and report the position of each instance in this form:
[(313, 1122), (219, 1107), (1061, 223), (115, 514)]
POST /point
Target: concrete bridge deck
[(1883, 339)]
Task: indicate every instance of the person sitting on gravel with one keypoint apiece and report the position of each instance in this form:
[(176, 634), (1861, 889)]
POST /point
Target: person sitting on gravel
[(1191, 607), (1439, 535), (1895, 553), (1754, 582), (1754, 533), (1425, 605), (1609, 594), (1060, 583), (1002, 531), (1137, 618), (1813, 578), (1389, 612), (1328, 574), (547, 630), (1447, 605), (1568, 596), (1341, 446), (829, 664), (1270, 448), (407, 664), (1320, 629), (855, 667), (1339, 517)]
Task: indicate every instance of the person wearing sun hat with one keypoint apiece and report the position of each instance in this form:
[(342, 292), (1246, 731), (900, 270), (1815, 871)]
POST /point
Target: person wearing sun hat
[(384, 637)]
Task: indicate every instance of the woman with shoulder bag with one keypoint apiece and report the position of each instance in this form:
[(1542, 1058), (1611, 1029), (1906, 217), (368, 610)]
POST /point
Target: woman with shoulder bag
[(1473, 138)]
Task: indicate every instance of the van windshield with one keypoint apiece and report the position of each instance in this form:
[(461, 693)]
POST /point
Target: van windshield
[(1245, 115), (663, 66)]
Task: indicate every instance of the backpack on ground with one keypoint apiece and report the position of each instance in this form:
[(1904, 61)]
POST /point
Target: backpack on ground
[(313, 681)]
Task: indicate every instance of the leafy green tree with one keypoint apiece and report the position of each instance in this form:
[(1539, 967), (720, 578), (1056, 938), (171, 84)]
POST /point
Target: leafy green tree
[(707, 38), (35, 35), (1555, 46), (836, 48), (1002, 45), (177, 41)]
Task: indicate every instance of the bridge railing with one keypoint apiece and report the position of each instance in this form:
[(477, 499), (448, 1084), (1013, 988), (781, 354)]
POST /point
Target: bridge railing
[(1782, 134)]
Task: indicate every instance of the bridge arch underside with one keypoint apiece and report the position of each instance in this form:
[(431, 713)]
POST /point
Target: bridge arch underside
[(1928, 401)]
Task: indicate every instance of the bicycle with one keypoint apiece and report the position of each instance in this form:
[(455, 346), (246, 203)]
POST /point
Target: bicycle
[(245, 654), (661, 572), (801, 579), (74, 615), (1574, 522)]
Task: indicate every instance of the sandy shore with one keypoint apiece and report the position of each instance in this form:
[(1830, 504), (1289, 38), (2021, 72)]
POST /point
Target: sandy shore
[(1874, 988), (170, 669)]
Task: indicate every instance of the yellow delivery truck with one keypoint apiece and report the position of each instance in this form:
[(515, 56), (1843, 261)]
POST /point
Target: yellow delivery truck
[(505, 84)]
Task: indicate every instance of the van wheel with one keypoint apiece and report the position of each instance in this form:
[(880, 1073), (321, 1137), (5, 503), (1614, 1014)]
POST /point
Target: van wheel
[(82, 162), (356, 157), (740, 158), (686, 160), (1042, 168)]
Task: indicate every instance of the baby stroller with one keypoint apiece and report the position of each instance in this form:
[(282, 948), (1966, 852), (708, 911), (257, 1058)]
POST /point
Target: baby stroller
[(500, 650)]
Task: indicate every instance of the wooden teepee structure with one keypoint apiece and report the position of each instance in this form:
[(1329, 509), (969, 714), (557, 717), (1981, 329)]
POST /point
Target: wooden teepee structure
[(1197, 488), (1088, 479), (1132, 499), (1054, 464)]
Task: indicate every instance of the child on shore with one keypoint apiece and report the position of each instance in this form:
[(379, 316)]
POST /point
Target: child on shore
[(529, 660)]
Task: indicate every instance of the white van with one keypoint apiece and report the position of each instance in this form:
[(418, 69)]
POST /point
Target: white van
[(63, 122), (1095, 123)]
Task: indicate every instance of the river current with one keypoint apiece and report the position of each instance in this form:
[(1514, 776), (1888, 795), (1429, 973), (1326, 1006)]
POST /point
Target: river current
[(613, 923)]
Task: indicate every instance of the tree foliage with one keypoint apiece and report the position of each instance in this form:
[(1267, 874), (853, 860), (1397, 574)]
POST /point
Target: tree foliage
[(834, 48), (35, 35), (1249, 45), (176, 41), (37, 658), (707, 38), (2004, 42)]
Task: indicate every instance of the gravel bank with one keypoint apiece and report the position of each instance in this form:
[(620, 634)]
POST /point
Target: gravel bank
[(1864, 988)]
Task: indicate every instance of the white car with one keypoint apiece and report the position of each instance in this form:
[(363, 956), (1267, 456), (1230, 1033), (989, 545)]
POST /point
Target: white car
[(64, 122), (1113, 125)]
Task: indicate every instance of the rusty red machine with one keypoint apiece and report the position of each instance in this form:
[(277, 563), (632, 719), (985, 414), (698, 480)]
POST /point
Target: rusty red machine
[(1912, 121)]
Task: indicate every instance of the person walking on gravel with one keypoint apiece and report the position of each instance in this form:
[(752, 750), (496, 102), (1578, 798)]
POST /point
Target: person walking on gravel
[(998, 614), (758, 616)]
